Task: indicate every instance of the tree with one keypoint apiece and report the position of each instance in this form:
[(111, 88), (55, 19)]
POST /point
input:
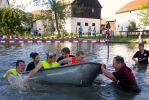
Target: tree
[(144, 15), (60, 12), (9, 21), (132, 26), (36, 17)]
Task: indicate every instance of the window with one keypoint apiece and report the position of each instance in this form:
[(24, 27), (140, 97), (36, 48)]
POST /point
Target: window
[(86, 24), (92, 10), (78, 23), (93, 24)]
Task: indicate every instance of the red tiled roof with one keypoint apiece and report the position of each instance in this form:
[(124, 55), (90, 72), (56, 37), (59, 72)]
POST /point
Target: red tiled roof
[(0, 1), (36, 12), (133, 5), (40, 12)]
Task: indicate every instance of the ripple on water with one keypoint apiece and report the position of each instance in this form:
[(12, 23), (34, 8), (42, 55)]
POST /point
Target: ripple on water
[(103, 89)]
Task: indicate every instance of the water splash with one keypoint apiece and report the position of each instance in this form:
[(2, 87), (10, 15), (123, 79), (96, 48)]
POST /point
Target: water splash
[(16, 82)]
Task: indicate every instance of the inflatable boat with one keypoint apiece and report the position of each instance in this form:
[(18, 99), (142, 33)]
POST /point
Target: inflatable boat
[(78, 74)]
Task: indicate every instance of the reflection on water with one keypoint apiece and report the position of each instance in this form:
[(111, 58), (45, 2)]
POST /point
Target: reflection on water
[(102, 89)]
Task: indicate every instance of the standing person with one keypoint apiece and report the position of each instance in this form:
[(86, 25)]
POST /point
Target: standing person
[(123, 76), (32, 32), (104, 33), (36, 32), (20, 66), (107, 33), (39, 32), (80, 30), (89, 31), (35, 56), (65, 54), (94, 32), (80, 55), (50, 62), (142, 55)]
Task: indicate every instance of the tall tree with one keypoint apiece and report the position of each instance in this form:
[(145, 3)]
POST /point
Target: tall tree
[(9, 21), (143, 13), (60, 12)]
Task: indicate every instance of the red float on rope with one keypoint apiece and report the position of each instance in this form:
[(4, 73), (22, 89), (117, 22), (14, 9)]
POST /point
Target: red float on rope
[(43, 41), (25, 41), (52, 41), (71, 41), (97, 41), (89, 41), (34, 41), (62, 41), (16, 41), (79, 41), (7, 41)]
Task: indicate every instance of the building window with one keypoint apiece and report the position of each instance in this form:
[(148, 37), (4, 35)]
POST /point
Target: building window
[(78, 23), (93, 24), (92, 10), (86, 24)]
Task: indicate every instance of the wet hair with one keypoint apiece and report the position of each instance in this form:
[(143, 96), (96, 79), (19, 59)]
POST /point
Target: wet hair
[(119, 59), (18, 61), (66, 50), (141, 44), (33, 55), (79, 53)]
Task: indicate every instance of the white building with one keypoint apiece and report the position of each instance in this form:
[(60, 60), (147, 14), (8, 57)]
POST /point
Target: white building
[(90, 17), (4, 3), (127, 14)]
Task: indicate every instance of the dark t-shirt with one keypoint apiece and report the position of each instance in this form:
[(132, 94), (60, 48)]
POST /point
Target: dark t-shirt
[(142, 58), (30, 66), (60, 58), (126, 80)]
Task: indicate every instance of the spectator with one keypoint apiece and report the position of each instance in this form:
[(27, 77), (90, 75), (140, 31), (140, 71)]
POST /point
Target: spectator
[(89, 31), (32, 32), (80, 30), (39, 32), (94, 32)]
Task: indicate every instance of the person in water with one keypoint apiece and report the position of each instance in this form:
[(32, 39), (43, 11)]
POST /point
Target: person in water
[(65, 54), (142, 55), (45, 64), (123, 76), (80, 55), (20, 66), (35, 56)]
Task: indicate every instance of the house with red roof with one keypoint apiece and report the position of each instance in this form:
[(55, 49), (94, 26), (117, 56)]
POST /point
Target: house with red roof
[(4, 3), (128, 13)]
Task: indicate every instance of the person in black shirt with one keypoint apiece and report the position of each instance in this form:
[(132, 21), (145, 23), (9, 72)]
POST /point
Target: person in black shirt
[(142, 55), (65, 54), (35, 56)]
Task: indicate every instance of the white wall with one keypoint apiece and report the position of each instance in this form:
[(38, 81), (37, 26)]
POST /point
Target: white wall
[(68, 25), (123, 20), (71, 25), (3, 3)]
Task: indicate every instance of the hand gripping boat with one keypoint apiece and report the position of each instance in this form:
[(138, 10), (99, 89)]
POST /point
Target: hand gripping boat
[(77, 74)]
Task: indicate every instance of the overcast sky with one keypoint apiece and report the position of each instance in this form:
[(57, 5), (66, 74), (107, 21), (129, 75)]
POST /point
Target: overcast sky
[(109, 6)]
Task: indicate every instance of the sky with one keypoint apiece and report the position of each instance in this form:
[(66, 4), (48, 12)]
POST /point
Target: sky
[(109, 6)]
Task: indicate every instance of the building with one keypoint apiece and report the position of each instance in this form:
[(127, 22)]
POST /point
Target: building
[(41, 23), (4, 3), (128, 13), (91, 15)]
